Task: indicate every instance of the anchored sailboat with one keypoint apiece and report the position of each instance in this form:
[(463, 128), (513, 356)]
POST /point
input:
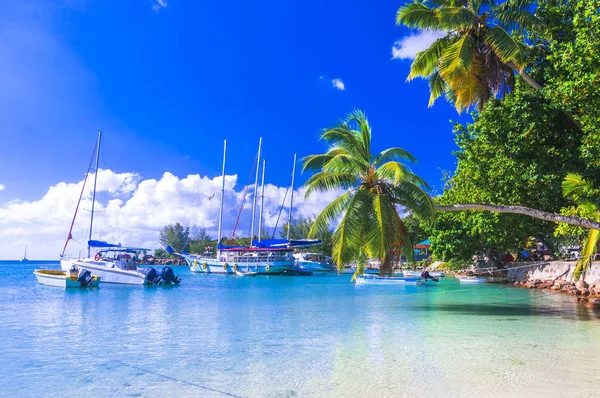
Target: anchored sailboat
[(24, 259), (113, 263)]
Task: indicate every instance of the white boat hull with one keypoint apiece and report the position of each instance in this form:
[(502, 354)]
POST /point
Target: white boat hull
[(417, 274), (394, 280), (61, 280), (212, 266), (472, 279), (107, 272), (316, 267)]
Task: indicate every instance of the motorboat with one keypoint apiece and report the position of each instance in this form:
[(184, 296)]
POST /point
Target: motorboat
[(316, 263), (472, 279), (245, 273), (412, 273), (366, 279), (74, 278)]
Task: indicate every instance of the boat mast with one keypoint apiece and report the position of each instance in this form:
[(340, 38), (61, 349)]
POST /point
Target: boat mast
[(94, 192), (291, 199), (255, 189), (222, 193), (262, 200)]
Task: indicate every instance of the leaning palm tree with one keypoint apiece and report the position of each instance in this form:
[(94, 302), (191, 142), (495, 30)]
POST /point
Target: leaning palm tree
[(582, 192), (374, 187), (477, 57)]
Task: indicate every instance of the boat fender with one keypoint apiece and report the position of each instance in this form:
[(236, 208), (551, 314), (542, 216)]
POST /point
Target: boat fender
[(268, 268), (168, 276), (204, 265), (195, 263), (235, 268), (97, 257), (225, 266)]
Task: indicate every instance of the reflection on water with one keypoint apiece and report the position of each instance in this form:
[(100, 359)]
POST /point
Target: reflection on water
[(278, 336)]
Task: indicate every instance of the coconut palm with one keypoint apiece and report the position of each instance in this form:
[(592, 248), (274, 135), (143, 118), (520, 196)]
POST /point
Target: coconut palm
[(477, 57), (583, 193), (374, 187)]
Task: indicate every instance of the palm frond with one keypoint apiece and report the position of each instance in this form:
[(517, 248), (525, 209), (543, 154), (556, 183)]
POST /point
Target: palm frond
[(415, 199), (347, 237), (518, 19), (347, 138), (457, 57), (426, 61), (380, 238), (588, 251), (394, 172), (576, 188), (417, 15), (505, 46), (330, 213), (437, 87), (394, 154), (454, 18), (327, 181), (360, 118)]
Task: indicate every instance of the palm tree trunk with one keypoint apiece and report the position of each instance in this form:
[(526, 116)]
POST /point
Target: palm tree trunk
[(386, 264), (542, 215)]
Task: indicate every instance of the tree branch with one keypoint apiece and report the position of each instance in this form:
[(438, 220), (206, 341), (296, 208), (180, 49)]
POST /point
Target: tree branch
[(542, 215)]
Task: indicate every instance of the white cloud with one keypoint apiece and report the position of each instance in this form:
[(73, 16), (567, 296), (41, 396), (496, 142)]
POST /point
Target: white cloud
[(131, 210), (2, 187), (158, 4), (338, 83), (409, 46)]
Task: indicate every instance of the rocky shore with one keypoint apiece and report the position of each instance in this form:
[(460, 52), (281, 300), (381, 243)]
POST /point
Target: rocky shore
[(585, 293)]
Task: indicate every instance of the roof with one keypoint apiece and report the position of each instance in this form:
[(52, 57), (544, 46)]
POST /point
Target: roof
[(423, 245)]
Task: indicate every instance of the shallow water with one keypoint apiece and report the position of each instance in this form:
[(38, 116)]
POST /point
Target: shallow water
[(292, 336)]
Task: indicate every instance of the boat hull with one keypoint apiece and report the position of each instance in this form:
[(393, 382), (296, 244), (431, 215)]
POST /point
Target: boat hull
[(472, 279), (212, 266), (394, 280), (316, 267), (107, 272), (61, 279), (417, 274)]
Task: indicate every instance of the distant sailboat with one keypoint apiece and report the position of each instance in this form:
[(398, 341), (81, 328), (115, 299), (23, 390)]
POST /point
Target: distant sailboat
[(24, 259)]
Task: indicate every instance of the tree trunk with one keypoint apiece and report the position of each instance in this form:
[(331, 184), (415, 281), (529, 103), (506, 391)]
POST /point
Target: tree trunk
[(542, 215), (386, 267)]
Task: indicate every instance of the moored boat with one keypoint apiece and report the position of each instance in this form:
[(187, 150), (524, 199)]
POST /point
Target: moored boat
[(316, 263), (66, 279), (411, 273), (386, 280), (472, 279), (245, 273)]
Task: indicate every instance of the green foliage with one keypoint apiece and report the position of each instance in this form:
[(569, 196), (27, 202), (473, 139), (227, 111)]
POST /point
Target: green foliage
[(300, 229), (161, 253), (516, 152), (573, 76), (474, 61), (176, 236), (200, 241), (416, 231), (369, 223)]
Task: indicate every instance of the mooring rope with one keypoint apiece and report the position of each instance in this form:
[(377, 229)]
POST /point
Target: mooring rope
[(177, 379)]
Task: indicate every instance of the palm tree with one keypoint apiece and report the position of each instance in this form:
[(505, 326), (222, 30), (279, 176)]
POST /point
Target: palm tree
[(581, 191), (374, 185), (477, 57)]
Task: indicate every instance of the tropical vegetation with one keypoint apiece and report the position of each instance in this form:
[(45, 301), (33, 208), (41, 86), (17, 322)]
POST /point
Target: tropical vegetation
[(373, 188)]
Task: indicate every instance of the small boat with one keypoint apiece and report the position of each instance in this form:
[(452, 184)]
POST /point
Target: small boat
[(25, 259), (472, 279), (315, 262), (435, 274), (246, 273), (386, 280), (296, 271), (72, 278)]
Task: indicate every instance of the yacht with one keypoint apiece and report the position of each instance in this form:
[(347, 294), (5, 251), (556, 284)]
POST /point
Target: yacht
[(314, 262)]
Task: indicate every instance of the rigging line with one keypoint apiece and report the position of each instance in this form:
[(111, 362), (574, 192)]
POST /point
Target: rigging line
[(177, 379), (244, 199), (69, 237), (281, 208)]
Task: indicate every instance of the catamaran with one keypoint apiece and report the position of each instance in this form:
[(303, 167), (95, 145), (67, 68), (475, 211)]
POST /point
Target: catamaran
[(113, 263), (263, 257)]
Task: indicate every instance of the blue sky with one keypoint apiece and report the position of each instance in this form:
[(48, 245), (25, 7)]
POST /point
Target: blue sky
[(167, 81)]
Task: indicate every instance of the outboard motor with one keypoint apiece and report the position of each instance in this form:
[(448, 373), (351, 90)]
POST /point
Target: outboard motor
[(169, 276), (426, 275), (152, 276), (85, 278)]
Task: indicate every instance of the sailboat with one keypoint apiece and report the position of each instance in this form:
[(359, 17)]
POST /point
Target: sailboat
[(263, 257), (113, 263), (24, 259)]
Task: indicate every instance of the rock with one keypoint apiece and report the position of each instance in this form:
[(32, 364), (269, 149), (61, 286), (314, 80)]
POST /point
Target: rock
[(595, 303), (581, 284), (583, 292), (516, 283), (555, 288)]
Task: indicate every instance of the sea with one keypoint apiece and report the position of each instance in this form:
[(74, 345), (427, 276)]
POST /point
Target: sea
[(276, 336)]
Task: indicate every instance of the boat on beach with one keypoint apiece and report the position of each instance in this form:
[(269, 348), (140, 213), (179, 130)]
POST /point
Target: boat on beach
[(74, 278), (366, 279)]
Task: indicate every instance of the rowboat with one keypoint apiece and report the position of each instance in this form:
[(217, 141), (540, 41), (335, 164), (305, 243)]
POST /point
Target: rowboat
[(386, 280), (64, 279), (245, 273)]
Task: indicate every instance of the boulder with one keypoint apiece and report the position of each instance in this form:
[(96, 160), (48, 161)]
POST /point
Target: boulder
[(595, 302), (583, 292), (581, 284)]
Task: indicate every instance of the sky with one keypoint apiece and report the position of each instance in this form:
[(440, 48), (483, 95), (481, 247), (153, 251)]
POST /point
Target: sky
[(167, 81)]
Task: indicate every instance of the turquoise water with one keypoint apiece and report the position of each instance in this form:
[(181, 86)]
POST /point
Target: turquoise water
[(219, 336)]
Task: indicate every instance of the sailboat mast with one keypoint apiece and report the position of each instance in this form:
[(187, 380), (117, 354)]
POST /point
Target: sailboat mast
[(262, 200), (291, 199), (255, 189), (94, 192), (222, 192)]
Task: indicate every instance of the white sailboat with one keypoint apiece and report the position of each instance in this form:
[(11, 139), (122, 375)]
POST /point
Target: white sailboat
[(25, 259), (112, 262)]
